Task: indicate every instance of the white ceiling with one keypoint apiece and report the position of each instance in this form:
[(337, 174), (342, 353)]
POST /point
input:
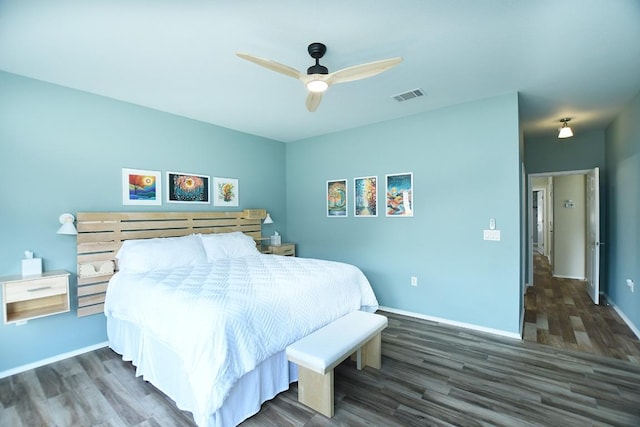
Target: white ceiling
[(575, 58)]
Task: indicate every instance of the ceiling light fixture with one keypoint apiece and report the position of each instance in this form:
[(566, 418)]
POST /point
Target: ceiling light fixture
[(317, 85), (565, 130)]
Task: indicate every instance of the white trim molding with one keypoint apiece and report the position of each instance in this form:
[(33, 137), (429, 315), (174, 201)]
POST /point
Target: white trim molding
[(626, 320), (463, 325), (52, 359), (560, 276)]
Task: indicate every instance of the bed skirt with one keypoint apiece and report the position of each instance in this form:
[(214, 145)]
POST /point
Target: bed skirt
[(159, 365)]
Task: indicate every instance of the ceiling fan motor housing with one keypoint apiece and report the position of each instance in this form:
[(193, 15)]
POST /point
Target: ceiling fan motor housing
[(317, 69), (317, 51)]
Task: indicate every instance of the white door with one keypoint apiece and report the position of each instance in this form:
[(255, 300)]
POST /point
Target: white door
[(540, 221), (593, 234)]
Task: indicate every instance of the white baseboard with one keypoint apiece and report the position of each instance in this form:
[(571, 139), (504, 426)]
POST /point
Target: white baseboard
[(560, 276), (53, 359), (626, 320), (454, 323)]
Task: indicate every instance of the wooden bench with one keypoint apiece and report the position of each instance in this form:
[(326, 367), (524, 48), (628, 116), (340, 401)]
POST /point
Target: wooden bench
[(318, 353)]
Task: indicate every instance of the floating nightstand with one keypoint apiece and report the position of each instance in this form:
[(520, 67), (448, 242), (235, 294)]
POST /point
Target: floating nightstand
[(30, 297)]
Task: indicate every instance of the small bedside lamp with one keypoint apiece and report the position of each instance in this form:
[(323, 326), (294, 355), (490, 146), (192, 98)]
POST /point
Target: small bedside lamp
[(268, 219), (67, 227)]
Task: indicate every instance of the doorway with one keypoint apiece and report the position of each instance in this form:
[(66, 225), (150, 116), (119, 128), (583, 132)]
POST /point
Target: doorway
[(541, 216), (562, 308), (536, 214), (563, 225)]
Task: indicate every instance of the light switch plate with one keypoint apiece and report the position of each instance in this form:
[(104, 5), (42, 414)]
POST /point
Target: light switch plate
[(492, 235)]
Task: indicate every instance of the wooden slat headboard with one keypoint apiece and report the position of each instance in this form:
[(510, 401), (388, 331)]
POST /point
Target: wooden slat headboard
[(100, 235)]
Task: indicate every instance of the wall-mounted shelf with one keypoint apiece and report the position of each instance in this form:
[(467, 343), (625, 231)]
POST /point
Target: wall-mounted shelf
[(29, 297)]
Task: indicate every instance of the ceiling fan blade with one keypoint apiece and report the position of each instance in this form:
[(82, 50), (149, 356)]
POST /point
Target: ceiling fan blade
[(362, 71), (313, 100), (272, 65)]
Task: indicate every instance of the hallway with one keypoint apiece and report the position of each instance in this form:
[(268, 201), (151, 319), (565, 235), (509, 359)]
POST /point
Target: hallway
[(559, 313)]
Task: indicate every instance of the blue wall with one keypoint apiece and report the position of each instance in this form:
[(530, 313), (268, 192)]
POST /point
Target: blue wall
[(623, 210), (62, 150), (549, 154), (466, 165)]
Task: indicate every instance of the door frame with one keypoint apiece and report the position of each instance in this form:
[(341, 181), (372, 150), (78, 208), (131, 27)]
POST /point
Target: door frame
[(540, 208), (593, 257), (530, 229)]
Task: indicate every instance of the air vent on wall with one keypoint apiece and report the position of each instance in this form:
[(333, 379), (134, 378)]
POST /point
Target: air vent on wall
[(408, 95)]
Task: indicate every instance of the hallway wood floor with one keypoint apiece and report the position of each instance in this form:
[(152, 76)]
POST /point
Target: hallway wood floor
[(432, 375), (559, 313)]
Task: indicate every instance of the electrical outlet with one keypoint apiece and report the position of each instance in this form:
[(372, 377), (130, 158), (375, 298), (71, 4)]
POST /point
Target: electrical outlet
[(414, 281), (630, 284)]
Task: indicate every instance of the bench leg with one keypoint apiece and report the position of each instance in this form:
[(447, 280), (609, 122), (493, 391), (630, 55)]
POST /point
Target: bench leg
[(316, 390), (370, 353)]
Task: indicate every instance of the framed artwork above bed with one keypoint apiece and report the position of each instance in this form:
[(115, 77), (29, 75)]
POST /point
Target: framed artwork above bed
[(141, 187), (187, 188), (226, 192)]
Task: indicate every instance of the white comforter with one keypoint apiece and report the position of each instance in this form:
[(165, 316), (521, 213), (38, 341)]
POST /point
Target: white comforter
[(224, 319)]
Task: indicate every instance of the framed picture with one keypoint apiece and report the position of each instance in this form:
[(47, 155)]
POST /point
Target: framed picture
[(187, 188), (399, 193), (141, 187), (366, 196), (226, 192), (337, 198)]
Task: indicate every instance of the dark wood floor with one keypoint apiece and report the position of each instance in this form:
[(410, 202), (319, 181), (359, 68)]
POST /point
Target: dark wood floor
[(431, 374), (559, 312)]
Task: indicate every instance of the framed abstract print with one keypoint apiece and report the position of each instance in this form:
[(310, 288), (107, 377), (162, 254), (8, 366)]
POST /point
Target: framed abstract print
[(365, 196), (141, 187), (226, 192), (399, 194), (187, 188), (336, 198)]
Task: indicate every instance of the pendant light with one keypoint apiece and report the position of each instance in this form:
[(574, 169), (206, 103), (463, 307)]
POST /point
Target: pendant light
[(565, 130)]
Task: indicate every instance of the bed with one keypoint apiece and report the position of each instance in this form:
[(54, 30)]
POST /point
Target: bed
[(207, 317)]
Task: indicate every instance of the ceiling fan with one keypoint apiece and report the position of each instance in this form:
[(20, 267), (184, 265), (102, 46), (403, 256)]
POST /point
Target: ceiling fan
[(318, 78)]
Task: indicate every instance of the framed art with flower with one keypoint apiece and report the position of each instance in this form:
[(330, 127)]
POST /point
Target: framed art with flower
[(141, 187), (187, 188), (337, 198), (399, 193), (366, 196), (226, 192)]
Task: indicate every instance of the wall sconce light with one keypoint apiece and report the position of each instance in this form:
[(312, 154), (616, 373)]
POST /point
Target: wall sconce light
[(565, 130), (268, 219), (67, 227)]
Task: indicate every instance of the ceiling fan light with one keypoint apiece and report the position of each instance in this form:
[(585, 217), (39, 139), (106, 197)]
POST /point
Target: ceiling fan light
[(565, 130), (317, 85)]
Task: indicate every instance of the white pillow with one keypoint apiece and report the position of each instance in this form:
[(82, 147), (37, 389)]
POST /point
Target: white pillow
[(142, 255), (228, 245)]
